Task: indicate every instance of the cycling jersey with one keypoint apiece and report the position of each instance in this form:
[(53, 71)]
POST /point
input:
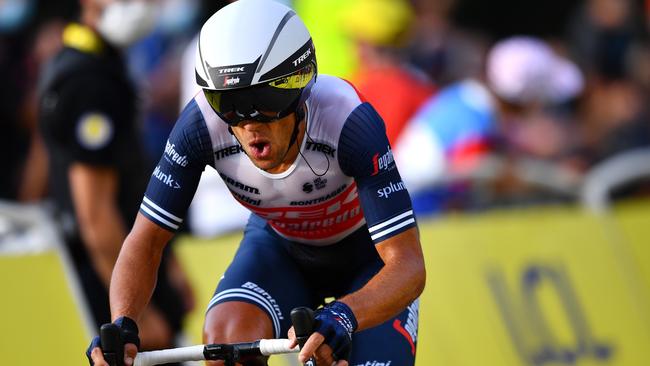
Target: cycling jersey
[(344, 178)]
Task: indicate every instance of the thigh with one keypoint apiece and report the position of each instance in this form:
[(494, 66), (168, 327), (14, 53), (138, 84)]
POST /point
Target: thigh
[(391, 343), (263, 275)]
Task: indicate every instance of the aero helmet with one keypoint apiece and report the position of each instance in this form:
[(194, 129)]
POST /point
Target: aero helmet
[(255, 61)]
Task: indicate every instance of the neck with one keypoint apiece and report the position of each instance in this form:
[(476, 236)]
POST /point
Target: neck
[(292, 151)]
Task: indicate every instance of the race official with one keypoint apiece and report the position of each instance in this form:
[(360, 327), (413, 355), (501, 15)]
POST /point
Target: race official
[(88, 109)]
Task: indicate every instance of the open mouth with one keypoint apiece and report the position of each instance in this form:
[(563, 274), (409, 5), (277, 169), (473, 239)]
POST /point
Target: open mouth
[(260, 149)]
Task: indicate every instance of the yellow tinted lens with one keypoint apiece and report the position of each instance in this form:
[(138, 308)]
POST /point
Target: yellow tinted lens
[(296, 81), (214, 98)]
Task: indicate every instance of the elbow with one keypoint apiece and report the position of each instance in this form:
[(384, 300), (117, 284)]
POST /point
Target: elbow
[(419, 280)]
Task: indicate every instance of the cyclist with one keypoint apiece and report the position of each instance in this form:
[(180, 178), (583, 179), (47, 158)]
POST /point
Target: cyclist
[(331, 217)]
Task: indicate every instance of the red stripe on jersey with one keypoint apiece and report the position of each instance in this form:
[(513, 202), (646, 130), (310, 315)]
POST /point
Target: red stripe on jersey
[(315, 222), (363, 99)]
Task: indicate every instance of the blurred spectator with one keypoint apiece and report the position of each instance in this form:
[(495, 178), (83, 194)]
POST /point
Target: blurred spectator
[(16, 72), (511, 112), (97, 170), (383, 78), (609, 38)]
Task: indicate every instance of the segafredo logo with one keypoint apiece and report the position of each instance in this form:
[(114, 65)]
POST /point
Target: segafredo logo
[(230, 81), (174, 156), (390, 189), (231, 70), (302, 57), (383, 162)]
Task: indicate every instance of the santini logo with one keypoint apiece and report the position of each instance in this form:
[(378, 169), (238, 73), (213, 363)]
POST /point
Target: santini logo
[(174, 156), (382, 162), (391, 188)]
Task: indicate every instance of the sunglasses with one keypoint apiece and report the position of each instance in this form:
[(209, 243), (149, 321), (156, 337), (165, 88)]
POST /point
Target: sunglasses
[(262, 103)]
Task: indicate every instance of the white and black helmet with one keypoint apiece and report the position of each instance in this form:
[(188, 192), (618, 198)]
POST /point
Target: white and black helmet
[(255, 60)]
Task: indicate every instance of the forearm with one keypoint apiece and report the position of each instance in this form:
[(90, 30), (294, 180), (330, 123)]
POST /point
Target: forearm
[(394, 287), (103, 236), (135, 272)]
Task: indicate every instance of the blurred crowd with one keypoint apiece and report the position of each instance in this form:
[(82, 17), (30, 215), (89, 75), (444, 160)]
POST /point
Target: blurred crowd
[(486, 103)]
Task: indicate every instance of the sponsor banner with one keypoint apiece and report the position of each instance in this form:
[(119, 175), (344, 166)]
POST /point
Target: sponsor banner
[(536, 287)]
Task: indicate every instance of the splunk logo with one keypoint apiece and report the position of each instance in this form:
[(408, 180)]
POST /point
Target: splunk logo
[(174, 156), (166, 179), (383, 162), (390, 189)]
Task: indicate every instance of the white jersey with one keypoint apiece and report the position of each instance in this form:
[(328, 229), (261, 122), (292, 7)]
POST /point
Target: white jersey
[(343, 177)]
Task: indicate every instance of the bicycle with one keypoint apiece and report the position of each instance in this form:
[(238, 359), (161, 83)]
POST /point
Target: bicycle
[(302, 319)]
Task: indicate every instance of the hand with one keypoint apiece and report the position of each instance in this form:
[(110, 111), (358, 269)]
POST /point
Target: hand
[(129, 337), (332, 338)]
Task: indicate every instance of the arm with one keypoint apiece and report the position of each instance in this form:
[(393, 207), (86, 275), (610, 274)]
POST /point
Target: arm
[(94, 191), (134, 276), (395, 286), (365, 154)]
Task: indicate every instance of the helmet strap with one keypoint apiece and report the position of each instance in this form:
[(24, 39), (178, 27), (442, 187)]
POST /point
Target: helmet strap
[(298, 116)]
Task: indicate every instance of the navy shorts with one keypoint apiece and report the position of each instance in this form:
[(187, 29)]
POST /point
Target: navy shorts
[(278, 275)]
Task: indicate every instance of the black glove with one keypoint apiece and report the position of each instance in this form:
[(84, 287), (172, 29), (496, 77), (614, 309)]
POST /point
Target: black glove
[(128, 334), (336, 323)]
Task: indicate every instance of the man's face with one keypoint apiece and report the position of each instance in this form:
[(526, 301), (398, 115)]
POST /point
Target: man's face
[(266, 144)]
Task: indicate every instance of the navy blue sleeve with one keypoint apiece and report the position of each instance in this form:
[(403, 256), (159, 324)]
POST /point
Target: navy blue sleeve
[(174, 180), (365, 154)]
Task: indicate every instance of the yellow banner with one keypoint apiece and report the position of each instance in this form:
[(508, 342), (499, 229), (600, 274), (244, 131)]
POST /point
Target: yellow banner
[(537, 287)]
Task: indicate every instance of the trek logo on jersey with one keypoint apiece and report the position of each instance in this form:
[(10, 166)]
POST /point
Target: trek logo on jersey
[(174, 156), (320, 146), (383, 162), (390, 189), (231, 70), (227, 151), (302, 57), (167, 179)]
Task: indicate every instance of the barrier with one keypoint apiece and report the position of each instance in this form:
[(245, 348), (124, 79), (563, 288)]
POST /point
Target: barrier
[(541, 286), (548, 286)]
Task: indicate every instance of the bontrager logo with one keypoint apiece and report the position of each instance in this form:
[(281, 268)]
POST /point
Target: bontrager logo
[(175, 156), (302, 58), (167, 179), (390, 189), (384, 162), (230, 70)]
